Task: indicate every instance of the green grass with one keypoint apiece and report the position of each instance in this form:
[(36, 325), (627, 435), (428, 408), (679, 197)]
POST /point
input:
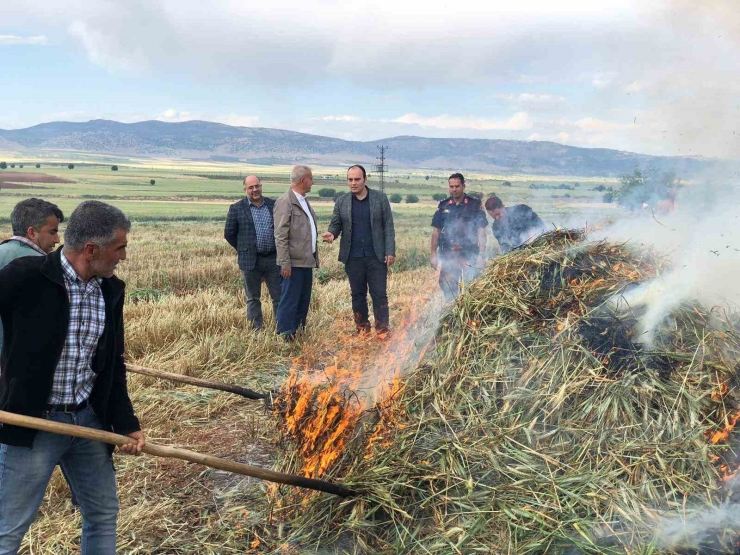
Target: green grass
[(182, 193)]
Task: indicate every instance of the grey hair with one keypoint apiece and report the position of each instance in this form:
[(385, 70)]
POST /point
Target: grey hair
[(94, 222), (298, 173), (252, 175), (32, 212)]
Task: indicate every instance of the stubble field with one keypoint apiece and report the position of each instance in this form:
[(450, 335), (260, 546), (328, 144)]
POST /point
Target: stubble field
[(185, 313)]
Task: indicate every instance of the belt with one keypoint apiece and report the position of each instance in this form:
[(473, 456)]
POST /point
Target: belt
[(271, 253), (72, 407)]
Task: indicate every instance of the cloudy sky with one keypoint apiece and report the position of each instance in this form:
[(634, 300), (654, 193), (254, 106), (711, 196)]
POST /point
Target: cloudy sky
[(654, 76)]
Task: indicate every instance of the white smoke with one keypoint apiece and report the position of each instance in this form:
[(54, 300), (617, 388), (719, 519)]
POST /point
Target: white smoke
[(702, 242), (696, 528)]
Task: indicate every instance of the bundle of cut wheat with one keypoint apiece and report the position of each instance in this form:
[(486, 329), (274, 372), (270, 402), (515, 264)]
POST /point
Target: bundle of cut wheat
[(539, 423)]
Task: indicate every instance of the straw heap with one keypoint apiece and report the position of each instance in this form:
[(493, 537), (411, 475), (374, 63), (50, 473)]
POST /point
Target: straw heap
[(539, 423)]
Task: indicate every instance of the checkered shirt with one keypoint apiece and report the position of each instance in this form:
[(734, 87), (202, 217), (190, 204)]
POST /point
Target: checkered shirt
[(74, 377), (263, 227)]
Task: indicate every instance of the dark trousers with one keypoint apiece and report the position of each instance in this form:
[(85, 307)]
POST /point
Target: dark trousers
[(456, 269), (295, 296), (265, 269), (368, 273)]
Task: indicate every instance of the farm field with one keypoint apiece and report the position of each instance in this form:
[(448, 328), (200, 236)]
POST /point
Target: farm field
[(185, 313)]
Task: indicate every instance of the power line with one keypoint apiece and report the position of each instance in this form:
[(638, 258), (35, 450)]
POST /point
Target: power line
[(381, 168)]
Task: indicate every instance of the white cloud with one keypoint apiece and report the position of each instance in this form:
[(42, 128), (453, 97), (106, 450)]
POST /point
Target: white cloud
[(174, 115), (239, 120), (15, 40), (104, 49), (680, 55), (518, 121), (339, 118), (533, 101), (598, 126), (169, 114), (534, 137), (563, 137), (603, 80)]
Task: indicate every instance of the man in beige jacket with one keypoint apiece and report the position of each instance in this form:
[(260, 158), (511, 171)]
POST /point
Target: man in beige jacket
[(297, 252)]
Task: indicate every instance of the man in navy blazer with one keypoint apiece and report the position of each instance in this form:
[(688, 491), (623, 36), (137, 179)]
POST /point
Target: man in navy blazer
[(250, 230)]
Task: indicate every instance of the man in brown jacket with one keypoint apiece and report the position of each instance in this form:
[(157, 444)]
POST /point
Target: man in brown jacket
[(297, 252)]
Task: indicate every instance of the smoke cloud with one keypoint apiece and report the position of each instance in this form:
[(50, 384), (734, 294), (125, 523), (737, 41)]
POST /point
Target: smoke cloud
[(702, 242)]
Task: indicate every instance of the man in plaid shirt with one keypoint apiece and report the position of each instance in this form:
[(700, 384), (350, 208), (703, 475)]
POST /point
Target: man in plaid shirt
[(62, 359), (250, 230)]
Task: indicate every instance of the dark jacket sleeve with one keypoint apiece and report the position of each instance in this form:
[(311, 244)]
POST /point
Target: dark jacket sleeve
[(231, 229), (481, 220), (11, 280), (390, 230), (437, 218), (335, 226), (120, 409)]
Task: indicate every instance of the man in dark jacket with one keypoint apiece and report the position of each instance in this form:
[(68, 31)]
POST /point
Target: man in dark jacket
[(458, 238), (364, 220), (250, 230), (35, 233), (62, 359), (513, 226)]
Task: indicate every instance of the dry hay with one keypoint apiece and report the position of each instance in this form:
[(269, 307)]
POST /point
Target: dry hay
[(539, 423)]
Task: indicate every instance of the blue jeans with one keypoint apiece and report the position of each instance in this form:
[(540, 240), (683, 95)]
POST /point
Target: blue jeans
[(25, 473), (295, 297)]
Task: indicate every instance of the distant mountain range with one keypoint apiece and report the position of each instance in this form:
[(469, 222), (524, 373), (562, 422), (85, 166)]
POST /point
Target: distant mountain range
[(202, 140)]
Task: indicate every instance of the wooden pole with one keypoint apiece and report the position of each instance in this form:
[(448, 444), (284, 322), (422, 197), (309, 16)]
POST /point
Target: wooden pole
[(243, 391), (174, 453)]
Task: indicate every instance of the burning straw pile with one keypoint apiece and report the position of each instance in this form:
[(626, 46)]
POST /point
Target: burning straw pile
[(539, 423)]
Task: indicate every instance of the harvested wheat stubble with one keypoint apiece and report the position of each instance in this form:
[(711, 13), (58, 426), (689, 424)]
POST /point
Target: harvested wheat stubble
[(539, 423)]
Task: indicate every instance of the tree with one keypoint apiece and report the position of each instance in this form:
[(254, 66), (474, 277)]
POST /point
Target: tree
[(439, 196), (607, 198), (12, 165), (152, 182), (476, 195), (506, 183), (20, 165), (71, 166), (426, 177), (38, 165), (3, 165), (114, 168), (649, 188), (337, 195), (327, 192), (412, 199), (395, 198)]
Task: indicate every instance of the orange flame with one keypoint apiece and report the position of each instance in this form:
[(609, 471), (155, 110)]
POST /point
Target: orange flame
[(724, 434), (322, 409)]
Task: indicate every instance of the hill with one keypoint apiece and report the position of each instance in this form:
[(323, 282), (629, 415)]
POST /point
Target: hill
[(219, 142)]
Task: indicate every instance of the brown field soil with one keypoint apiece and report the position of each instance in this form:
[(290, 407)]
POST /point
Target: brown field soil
[(4, 185), (18, 177)]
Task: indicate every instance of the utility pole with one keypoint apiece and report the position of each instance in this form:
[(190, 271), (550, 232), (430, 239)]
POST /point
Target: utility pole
[(381, 168)]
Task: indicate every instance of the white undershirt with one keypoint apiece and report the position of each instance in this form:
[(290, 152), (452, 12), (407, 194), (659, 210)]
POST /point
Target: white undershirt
[(304, 205)]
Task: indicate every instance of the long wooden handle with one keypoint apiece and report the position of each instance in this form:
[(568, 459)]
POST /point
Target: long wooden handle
[(174, 453), (243, 391)]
